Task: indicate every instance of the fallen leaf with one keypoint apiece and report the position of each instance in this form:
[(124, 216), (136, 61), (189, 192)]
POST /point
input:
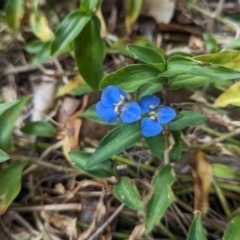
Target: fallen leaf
[(202, 174), (230, 96)]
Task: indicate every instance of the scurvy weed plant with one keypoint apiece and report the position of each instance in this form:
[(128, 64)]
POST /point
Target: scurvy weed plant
[(128, 101)]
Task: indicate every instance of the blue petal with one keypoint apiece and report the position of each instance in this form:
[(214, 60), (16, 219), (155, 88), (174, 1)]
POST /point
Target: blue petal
[(107, 114), (147, 101), (111, 96), (150, 127), (130, 112), (166, 114)]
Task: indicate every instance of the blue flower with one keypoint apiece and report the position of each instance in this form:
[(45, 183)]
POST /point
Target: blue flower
[(113, 105), (152, 125)]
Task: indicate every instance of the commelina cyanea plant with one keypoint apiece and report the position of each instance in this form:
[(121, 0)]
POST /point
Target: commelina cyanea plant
[(114, 105)]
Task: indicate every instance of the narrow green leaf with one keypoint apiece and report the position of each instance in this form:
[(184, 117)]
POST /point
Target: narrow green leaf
[(117, 140), (89, 53), (133, 10), (14, 13), (196, 230), (131, 77), (149, 89), (184, 65), (91, 114), (34, 46), (126, 192), (43, 54), (39, 128), (10, 179), (156, 145), (88, 6), (68, 30), (189, 118), (176, 151), (3, 156), (161, 198), (7, 122), (148, 55), (222, 171), (102, 170), (227, 58), (187, 80), (5, 106), (232, 231)]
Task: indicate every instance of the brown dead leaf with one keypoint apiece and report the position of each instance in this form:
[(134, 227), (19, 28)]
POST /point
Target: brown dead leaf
[(196, 43), (137, 232), (64, 223), (202, 174)]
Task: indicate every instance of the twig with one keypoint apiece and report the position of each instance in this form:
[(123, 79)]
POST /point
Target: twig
[(101, 229)]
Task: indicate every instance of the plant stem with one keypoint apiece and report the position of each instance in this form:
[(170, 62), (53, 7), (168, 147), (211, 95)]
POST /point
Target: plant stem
[(166, 131)]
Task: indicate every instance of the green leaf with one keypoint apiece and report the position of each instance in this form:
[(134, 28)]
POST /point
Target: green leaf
[(3, 156), (222, 171), (149, 89), (230, 96), (34, 46), (228, 58), (232, 231), (79, 160), (196, 230), (210, 43), (161, 197), (189, 118), (7, 122), (117, 140), (148, 55), (187, 80), (131, 77), (156, 145), (89, 53), (88, 6), (5, 106), (14, 13), (10, 179), (126, 192), (121, 45), (184, 65), (68, 30), (176, 151), (133, 10), (39, 128), (91, 114), (43, 54)]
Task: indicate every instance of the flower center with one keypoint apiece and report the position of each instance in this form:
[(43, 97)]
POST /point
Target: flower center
[(119, 105), (153, 115)]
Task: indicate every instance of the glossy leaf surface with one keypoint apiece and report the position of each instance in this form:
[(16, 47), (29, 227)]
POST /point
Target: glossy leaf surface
[(7, 123), (196, 230), (39, 128), (117, 140), (148, 55), (14, 13), (68, 30), (89, 53), (11, 181), (188, 118), (131, 77), (126, 192), (3, 156), (80, 158), (161, 197)]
